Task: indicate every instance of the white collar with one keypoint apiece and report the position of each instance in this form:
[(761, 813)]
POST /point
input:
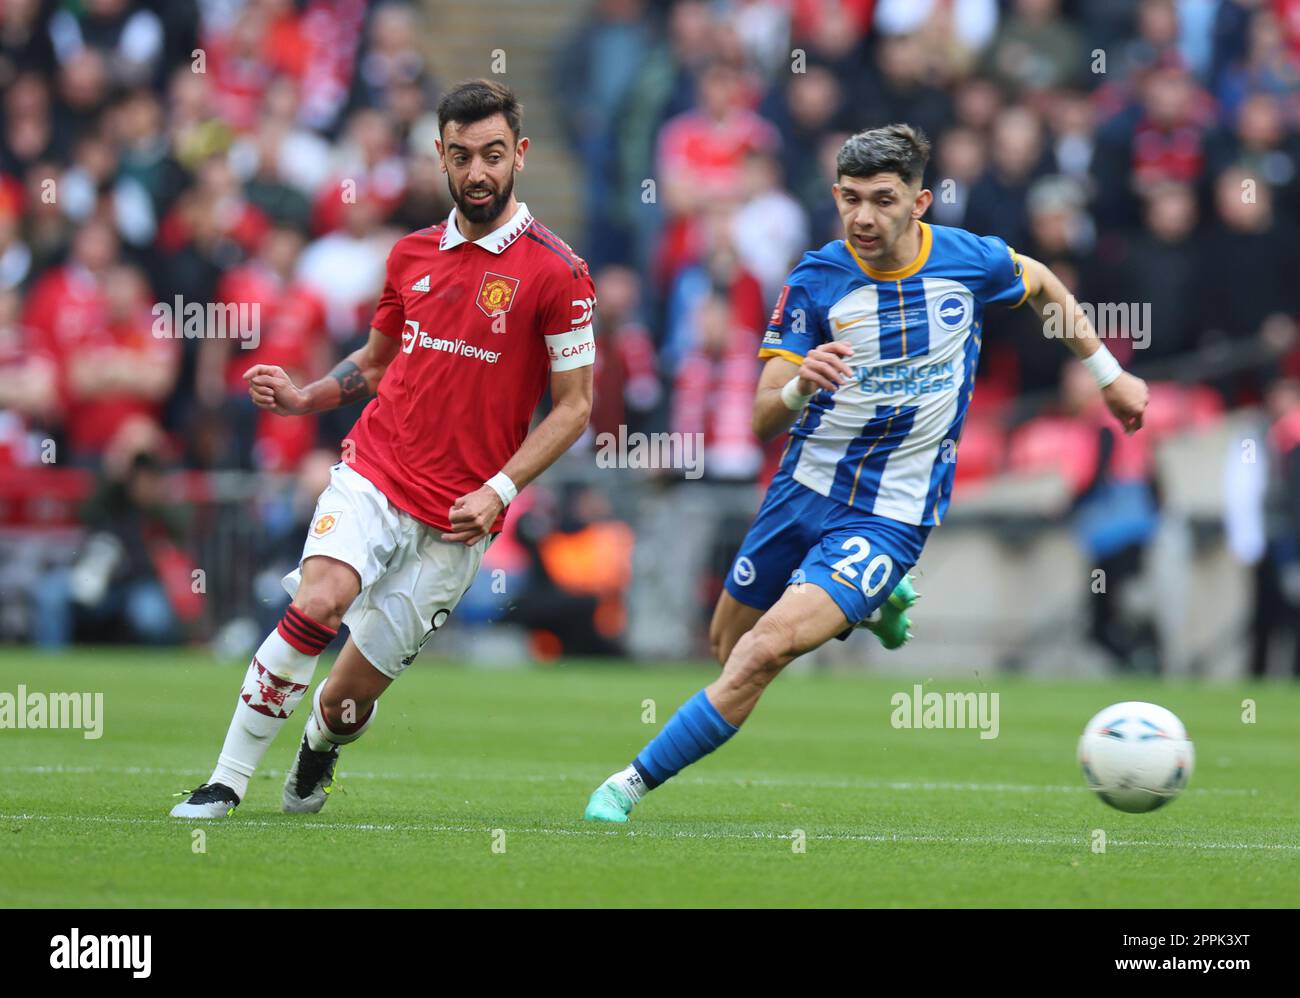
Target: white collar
[(496, 240)]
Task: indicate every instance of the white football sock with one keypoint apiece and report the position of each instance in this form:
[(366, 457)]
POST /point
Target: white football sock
[(276, 682), (630, 782)]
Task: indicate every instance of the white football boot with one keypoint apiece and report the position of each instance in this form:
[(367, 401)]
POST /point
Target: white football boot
[(212, 800)]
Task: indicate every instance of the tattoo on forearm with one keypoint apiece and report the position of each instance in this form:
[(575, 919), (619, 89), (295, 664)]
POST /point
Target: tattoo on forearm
[(352, 383)]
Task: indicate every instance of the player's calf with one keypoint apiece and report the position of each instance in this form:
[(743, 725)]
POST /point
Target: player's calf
[(802, 619)]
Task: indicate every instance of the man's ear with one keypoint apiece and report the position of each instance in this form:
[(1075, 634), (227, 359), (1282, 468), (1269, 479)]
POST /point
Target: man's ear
[(442, 162), (923, 202), (521, 147)]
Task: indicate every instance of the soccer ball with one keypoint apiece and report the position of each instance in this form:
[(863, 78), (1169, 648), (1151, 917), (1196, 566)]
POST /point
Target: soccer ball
[(1136, 756)]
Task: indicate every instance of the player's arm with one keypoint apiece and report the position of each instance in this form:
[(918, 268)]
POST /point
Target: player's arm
[(472, 515), (1125, 394), (353, 378), (785, 388)]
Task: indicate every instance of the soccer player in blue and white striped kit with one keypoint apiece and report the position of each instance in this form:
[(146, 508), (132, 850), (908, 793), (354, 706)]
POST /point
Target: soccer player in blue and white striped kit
[(871, 354)]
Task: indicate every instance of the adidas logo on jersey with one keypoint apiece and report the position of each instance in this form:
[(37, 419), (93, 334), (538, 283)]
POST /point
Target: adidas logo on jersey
[(422, 284)]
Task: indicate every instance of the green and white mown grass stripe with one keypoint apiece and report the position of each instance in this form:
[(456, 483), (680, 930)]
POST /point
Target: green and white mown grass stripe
[(820, 801)]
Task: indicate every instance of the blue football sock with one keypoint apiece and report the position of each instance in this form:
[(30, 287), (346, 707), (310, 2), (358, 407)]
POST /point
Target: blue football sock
[(690, 734)]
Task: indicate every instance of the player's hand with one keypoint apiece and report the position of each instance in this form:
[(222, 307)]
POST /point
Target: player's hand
[(472, 516), (270, 388), (825, 367), (1126, 398)]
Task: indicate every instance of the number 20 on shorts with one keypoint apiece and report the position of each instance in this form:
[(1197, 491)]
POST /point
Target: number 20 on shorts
[(876, 572)]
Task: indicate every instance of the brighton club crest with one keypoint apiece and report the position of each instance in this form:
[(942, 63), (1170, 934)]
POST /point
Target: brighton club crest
[(496, 293)]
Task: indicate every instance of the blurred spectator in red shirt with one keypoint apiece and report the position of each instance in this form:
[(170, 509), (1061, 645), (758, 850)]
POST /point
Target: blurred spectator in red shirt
[(117, 368), (701, 152), (68, 300), (627, 388), (28, 386), (290, 319), (367, 166), (242, 59), (716, 269), (713, 391)]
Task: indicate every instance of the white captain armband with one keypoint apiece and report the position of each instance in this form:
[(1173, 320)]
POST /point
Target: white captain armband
[(571, 350)]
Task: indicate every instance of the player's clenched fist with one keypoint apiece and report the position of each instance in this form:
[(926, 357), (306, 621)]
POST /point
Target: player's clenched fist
[(270, 388), (825, 367), (472, 516), (1126, 397)]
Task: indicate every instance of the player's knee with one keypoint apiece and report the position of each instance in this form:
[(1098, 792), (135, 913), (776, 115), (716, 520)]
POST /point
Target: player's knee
[(762, 653), (774, 646), (322, 605), (327, 589)]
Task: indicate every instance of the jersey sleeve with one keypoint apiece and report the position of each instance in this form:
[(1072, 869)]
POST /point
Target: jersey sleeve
[(566, 320), (795, 326), (390, 314), (1004, 274)]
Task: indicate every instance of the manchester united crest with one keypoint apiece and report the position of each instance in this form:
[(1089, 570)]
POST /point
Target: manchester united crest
[(497, 293), (325, 524)]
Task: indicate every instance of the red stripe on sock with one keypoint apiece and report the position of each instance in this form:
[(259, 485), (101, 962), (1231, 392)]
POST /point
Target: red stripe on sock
[(307, 647), (311, 627), (303, 633)]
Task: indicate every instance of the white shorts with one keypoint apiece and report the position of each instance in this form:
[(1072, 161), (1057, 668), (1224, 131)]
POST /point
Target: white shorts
[(411, 579)]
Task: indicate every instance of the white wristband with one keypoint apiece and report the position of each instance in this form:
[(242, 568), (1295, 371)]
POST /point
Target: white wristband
[(794, 399), (501, 484), (1103, 367)]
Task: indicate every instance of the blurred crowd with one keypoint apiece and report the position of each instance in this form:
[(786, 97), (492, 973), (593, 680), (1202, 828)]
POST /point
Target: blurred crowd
[(268, 153)]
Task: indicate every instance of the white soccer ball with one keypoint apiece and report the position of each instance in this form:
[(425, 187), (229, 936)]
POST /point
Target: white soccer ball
[(1136, 756)]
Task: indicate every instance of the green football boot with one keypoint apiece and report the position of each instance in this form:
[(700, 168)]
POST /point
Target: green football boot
[(609, 802), (890, 623)]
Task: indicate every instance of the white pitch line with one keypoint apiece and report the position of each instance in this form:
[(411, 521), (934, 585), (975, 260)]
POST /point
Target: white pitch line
[(732, 781), (906, 839)]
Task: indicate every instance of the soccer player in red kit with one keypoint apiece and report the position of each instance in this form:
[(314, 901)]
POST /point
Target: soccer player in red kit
[(477, 314)]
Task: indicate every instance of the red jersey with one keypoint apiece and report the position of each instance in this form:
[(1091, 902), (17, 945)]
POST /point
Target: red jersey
[(482, 324)]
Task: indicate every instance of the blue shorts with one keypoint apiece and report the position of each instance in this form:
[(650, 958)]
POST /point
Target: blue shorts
[(801, 536)]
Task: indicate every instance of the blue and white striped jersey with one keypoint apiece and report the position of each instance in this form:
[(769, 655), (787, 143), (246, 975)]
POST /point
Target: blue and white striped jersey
[(886, 442)]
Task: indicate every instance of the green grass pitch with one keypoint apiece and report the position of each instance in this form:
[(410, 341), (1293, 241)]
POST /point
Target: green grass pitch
[(469, 791)]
